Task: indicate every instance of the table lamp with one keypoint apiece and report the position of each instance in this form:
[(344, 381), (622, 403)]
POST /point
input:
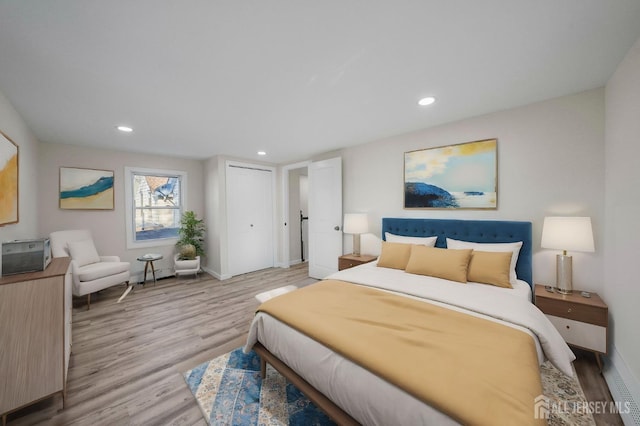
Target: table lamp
[(566, 233), (356, 224)]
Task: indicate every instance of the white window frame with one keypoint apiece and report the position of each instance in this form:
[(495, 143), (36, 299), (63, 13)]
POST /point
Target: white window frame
[(129, 173)]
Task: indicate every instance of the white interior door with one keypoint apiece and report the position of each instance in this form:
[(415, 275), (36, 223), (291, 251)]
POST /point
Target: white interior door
[(249, 218), (325, 217)]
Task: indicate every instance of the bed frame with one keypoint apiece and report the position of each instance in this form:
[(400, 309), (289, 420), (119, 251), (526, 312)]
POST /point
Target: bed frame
[(479, 231), (336, 413)]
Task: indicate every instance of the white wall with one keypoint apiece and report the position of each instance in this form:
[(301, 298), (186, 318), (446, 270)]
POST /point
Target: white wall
[(108, 226), (15, 128), (216, 218), (550, 162), (622, 208)]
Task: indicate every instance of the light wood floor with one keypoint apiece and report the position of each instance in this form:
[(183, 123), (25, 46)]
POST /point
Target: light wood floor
[(594, 386), (127, 358)]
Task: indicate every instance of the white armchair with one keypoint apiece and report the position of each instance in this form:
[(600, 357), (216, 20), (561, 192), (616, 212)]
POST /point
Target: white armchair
[(90, 271)]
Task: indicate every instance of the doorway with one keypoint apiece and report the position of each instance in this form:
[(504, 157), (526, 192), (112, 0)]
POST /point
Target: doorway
[(298, 215), (321, 227), (295, 201)]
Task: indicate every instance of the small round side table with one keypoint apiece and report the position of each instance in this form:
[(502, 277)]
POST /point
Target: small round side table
[(149, 259)]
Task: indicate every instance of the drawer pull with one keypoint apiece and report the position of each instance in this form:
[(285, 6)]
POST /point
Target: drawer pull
[(568, 328)]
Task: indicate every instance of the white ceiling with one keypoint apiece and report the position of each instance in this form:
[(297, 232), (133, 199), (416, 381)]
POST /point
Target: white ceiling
[(295, 78)]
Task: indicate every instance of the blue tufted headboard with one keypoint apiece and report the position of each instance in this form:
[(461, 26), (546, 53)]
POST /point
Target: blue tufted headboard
[(477, 231)]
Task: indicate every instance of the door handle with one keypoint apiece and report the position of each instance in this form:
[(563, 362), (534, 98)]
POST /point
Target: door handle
[(337, 227)]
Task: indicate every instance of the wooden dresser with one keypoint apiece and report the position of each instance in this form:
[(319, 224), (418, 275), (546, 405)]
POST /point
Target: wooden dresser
[(35, 334)]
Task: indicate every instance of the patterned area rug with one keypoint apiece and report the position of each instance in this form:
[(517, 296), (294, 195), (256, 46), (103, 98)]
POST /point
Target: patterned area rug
[(565, 400), (230, 392)]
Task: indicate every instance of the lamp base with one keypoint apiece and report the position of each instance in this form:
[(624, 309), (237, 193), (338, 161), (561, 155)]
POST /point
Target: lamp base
[(564, 274), (356, 244)]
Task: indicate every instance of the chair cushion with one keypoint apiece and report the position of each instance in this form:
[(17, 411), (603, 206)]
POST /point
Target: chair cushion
[(59, 240), (83, 252), (94, 271)]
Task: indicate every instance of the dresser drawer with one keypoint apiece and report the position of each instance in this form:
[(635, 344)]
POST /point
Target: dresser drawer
[(587, 336), (579, 312)]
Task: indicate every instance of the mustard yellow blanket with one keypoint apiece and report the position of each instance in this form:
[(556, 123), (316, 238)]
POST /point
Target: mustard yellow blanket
[(474, 370)]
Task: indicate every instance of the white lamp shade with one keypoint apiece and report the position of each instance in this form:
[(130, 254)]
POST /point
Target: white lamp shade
[(567, 233), (356, 223)]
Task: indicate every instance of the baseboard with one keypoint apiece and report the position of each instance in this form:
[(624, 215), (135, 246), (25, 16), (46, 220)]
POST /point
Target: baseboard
[(285, 265), (624, 387), (227, 276), (216, 274), (138, 276)]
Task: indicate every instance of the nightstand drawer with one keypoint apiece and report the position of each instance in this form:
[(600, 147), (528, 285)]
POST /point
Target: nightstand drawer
[(349, 261), (346, 264), (587, 336), (579, 312)]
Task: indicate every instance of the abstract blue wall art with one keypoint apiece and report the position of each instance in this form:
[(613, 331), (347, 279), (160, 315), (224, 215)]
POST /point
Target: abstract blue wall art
[(462, 176), (86, 189)]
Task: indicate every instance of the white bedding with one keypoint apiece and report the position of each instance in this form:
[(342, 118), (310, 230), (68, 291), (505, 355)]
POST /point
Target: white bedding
[(371, 400)]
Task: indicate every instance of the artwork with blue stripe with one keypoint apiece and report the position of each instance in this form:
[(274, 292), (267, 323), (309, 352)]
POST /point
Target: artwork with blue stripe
[(102, 184)]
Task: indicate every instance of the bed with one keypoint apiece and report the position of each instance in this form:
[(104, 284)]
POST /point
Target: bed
[(348, 390)]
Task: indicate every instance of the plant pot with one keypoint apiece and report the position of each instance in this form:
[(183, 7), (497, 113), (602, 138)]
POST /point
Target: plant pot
[(186, 266)]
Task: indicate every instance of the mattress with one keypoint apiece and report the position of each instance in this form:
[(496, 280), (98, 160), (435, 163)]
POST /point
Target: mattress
[(366, 397)]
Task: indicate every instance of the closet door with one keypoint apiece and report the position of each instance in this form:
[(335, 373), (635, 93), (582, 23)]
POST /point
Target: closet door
[(249, 218)]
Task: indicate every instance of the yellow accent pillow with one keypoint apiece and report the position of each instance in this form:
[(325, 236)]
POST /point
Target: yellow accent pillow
[(438, 262), (490, 268), (394, 255)]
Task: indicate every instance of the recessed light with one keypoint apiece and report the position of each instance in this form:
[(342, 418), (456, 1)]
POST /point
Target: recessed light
[(126, 129), (426, 101), (262, 153)]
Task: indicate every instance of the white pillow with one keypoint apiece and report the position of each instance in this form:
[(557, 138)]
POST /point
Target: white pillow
[(83, 252), (424, 241), (494, 247)]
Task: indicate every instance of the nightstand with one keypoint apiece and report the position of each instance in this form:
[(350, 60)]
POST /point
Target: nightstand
[(349, 260), (581, 321)]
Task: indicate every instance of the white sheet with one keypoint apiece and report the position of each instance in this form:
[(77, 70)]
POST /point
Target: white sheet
[(371, 400)]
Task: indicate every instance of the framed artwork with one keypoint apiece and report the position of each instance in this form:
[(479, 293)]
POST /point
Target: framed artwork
[(8, 181), (462, 176), (86, 189)]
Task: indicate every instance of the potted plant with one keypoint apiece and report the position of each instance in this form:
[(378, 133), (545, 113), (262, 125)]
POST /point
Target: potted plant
[(190, 244)]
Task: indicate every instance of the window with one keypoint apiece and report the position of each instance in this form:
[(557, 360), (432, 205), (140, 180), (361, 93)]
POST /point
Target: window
[(155, 203)]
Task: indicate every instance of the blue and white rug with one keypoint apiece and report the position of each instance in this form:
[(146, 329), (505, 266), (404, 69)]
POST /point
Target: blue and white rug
[(230, 391)]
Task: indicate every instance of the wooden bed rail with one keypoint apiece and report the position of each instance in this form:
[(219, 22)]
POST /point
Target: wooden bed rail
[(325, 404)]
